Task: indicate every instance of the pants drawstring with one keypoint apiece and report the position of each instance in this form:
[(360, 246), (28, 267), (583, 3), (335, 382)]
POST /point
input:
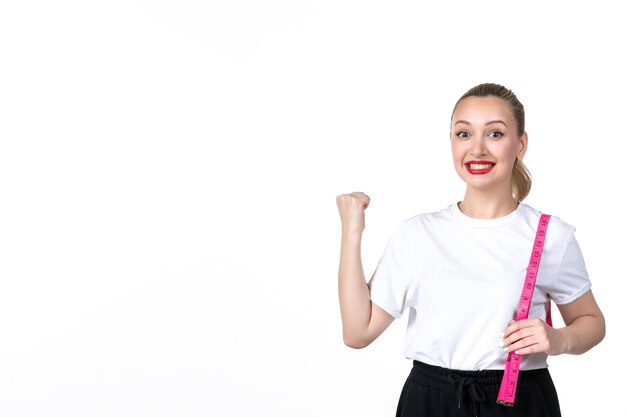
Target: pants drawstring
[(476, 393)]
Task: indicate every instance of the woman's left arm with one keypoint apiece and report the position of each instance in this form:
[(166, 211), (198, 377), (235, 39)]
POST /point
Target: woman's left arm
[(584, 328), (584, 323)]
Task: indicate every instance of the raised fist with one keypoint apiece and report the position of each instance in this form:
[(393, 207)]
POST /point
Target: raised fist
[(352, 211)]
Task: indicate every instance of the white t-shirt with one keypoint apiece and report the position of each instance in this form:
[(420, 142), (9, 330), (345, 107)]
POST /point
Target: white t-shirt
[(461, 279)]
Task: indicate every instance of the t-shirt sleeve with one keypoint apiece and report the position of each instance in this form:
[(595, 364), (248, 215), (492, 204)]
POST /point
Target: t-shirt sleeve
[(572, 279), (395, 274)]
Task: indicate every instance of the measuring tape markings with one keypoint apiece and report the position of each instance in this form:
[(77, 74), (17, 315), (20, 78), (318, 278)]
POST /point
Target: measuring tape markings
[(506, 395)]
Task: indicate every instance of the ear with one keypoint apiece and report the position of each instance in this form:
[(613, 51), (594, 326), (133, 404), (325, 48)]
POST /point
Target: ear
[(523, 145)]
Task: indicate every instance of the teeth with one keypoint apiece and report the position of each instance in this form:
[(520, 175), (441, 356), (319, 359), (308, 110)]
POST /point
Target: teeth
[(480, 166)]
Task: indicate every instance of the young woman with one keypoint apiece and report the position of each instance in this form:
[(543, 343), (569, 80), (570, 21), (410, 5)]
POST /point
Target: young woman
[(460, 271)]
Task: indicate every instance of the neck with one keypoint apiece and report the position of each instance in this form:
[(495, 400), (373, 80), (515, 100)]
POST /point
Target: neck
[(483, 205)]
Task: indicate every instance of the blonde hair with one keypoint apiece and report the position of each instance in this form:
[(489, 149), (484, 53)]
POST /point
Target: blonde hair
[(521, 180)]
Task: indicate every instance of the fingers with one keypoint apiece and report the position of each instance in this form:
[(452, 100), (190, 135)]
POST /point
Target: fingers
[(529, 343), (526, 336), (352, 211), (355, 198)]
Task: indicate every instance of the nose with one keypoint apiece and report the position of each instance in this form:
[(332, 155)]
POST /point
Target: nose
[(478, 146)]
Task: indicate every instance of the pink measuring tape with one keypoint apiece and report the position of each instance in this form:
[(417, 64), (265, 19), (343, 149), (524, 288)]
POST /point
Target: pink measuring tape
[(506, 395)]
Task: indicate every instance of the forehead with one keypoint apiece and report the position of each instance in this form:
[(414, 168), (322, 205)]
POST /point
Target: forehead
[(479, 109)]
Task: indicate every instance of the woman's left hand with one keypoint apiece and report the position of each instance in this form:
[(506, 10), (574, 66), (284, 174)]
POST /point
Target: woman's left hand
[(532, 336)]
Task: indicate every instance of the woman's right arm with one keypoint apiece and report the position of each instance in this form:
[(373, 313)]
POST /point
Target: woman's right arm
[(362, 320)]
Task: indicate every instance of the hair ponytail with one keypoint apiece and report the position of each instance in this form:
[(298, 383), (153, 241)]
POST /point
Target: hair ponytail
[(521, 180)]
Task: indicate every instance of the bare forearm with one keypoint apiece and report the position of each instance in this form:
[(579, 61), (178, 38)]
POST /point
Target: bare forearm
[(584, 329), (583, 333), (354, 296), (362, 321)]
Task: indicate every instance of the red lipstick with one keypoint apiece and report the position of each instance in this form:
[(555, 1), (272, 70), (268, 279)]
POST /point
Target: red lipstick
[(479, 167)]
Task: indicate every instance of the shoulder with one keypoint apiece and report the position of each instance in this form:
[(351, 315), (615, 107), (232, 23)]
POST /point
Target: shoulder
[(425, 224), (441, 217), (559, 232), (557, 224)]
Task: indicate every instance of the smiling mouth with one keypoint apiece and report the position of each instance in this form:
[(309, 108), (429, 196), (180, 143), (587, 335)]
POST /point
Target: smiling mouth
[(479, 167)]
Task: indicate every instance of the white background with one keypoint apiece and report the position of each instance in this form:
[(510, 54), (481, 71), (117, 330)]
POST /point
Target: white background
[(169, 238)]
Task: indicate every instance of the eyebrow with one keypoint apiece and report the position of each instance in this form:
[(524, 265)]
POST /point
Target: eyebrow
[(488, 123)]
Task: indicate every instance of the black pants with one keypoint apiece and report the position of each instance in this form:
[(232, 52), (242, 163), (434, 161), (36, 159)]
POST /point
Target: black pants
[(431, 391)]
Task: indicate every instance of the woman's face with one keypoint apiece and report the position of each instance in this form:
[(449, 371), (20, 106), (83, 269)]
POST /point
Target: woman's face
[(485, 143)]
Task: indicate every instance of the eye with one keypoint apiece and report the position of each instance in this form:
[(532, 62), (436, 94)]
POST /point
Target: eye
[(463, 134), (495, 134)]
